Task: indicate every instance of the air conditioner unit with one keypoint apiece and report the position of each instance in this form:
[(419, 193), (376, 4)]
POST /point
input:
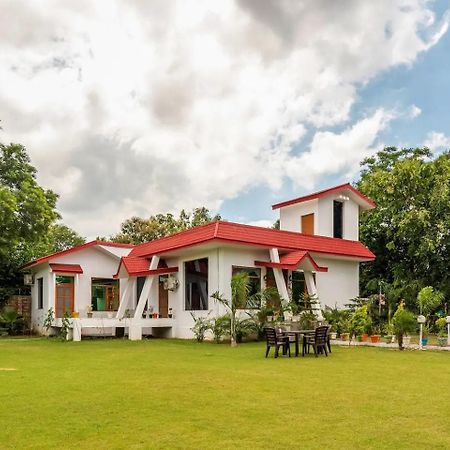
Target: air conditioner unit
[(28, 279)]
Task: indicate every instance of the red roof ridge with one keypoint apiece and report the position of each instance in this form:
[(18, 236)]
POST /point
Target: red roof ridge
[(76, 248), (324, 192)]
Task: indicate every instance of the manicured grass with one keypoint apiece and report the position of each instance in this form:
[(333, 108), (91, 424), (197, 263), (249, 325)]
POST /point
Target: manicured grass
[(117, 394)]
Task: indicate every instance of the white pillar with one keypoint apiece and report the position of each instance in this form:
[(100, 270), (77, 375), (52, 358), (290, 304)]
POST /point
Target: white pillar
[(51, 286), (278, 273), (312, 291), (76, 326), (135, 330)]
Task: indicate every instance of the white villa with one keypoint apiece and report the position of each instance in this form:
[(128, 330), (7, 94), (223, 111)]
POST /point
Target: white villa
[(154, 287)]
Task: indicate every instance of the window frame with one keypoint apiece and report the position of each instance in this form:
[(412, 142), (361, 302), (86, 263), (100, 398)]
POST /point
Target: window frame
[(185, 285), (114, 285), (341, 219), (40, 292)]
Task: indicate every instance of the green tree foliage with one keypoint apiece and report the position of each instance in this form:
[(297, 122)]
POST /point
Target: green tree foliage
[(27, 218), (137, 230), (26, 209), (404, 322), (409, 231)]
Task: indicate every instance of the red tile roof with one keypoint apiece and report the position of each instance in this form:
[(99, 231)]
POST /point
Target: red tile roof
[(75, 249), (291, 261), (137, 267), (343, 187), (251, 235), (66, 268)]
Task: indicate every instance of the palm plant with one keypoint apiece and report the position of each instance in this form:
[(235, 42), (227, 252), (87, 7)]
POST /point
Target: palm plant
[(12, 320), (239, 297)]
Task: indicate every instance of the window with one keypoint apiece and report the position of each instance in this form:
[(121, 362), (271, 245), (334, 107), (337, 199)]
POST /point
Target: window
[(338, 209), (105, 294), (40, 293), (254, 281), (196, 284), (308, 224), (139, 286), (298, 287)]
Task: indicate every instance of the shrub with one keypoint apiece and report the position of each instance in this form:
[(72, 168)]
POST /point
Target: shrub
[(12, 321), (428, 300), (360, 321), (441, 325), (201, 326), (220, 326), (404, 322)]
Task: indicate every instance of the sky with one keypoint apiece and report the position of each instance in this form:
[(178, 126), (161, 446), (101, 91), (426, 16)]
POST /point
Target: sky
[(135, 108)]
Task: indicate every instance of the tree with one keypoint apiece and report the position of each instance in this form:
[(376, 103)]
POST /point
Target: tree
[(137, 230), (409, 231), (27, 218), (26, 209)]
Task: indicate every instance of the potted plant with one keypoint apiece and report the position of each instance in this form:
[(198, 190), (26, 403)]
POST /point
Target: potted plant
[(295, 310), (403, 322), (89, 311), (75, 314), (155, 315), (344, 325), (170, 313), (388, 331), (441, 325), (360, 322), (425, 334)]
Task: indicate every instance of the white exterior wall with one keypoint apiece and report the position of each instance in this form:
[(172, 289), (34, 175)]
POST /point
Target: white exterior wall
[(340, 284), (95, 264), (291, 216), (322, 208)]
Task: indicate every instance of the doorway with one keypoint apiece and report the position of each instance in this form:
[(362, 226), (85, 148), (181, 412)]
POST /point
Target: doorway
[(64, 296), (163, 299)]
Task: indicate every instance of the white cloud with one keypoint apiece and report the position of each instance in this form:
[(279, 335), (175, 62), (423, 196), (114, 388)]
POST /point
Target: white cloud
[(132, 107), (414, 111), (435, 141)]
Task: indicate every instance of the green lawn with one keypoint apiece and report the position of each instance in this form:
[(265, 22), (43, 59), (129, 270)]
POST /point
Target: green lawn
[(114, 394)]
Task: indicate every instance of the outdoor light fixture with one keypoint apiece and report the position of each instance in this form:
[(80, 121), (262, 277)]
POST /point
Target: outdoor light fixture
[(343, 198), (421, 320)]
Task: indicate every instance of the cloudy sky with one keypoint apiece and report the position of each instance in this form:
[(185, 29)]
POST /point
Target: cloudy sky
[(133, 108)]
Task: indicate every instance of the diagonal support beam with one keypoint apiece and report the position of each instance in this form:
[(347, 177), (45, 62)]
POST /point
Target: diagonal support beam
[(278, 273), (149, 279), (312, 291), (125, 297)]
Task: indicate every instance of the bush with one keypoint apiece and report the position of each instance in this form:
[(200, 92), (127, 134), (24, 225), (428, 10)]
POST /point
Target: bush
[(220, 326), (360, 321), (441, 325), (404, 322), (12, 321), (201, 326)]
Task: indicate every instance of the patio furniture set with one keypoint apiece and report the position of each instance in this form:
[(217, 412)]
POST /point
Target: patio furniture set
[(318, 339)]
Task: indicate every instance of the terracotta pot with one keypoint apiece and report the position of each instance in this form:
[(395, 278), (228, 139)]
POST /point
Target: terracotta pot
[(374, 338), (364, 337), (345, 336), (155, 315)]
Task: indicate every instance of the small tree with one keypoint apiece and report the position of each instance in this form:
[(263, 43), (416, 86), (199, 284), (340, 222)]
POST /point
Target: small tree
[(360, 321), (239, 297), (404, 322)]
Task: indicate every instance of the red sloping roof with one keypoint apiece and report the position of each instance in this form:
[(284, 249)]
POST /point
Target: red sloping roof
[(252, 235), (342, 187), (67, 268), (75, 249), (137, 266), (291, 261)]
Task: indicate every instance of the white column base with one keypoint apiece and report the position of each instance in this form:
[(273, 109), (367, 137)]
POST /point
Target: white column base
[(76, 330), (134, 331)]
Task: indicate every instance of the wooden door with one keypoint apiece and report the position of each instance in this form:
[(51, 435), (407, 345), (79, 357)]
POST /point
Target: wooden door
[(163, 300), (63, 299), (308, 224)]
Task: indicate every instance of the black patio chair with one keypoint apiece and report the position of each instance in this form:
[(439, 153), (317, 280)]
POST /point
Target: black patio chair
[(318, 341), (277, 340)]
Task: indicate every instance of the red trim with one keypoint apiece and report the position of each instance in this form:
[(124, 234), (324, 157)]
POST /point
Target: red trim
[(325, 192), (76, 249), (67, 268)]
